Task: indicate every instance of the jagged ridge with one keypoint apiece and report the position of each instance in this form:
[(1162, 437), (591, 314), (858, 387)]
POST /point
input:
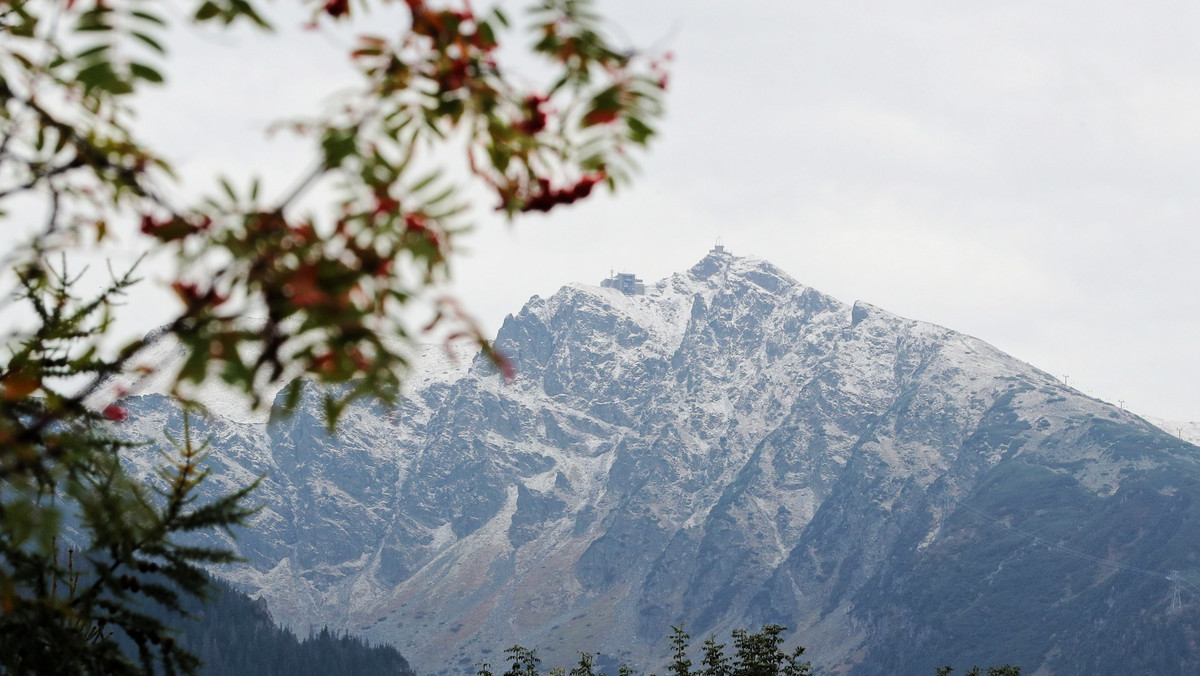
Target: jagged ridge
[(729, 449)]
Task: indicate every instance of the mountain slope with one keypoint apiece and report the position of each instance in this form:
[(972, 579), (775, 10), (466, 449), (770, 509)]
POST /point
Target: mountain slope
[(729, 449)]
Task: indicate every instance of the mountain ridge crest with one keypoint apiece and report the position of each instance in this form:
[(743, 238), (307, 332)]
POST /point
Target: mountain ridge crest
[(731, 448)]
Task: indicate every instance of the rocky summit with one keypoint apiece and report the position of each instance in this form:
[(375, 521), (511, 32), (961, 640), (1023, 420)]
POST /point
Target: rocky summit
[(727, 449)]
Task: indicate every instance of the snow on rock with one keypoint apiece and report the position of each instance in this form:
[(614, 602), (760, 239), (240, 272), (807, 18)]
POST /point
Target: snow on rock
[(730, 448)]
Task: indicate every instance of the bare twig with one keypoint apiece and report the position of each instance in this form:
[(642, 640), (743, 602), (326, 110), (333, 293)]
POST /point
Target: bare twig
[(39, 177)]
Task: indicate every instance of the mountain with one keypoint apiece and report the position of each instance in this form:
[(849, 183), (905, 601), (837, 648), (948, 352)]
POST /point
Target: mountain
[(729, 449)]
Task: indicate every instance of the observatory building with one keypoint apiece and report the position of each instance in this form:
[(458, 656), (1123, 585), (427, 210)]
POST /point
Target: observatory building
[(625, 282)]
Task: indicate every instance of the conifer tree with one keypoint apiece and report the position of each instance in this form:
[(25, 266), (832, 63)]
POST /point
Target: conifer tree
[(84, 547), (715, 662), (759, 654), (585, 665), (522, 661), (680, 664)]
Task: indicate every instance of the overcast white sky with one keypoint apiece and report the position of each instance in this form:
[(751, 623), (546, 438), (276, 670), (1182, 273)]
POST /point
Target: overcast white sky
[(1025, 172)]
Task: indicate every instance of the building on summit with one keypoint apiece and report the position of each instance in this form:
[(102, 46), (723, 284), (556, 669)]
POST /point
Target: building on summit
[(625, 282)]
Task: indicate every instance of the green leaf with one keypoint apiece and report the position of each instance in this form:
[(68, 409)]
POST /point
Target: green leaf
[(455, 210), (593, 163), (147, 16), (86, 54), (500, 158), (94, 20), (206, 11), (333, 410), (440, 196), (141, 70), (451, 108), (639, 132), (149, 41), (486, 32), (244, 8), (338, 145), (424, 182), (24, 60), (195, 367), (26, 28), (100, 75), (604, 107), (292, 397), (229, 191)]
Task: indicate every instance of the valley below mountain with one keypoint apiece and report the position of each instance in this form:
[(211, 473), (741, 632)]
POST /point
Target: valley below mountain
[(730, 448)]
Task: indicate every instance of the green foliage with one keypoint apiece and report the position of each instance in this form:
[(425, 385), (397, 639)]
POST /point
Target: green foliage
[(333, 287), (233, 635), (1006, 670), (715, 662), (680, 664), (73, 615), (62, 612), (757, 653), (522, 662), (584, 668)]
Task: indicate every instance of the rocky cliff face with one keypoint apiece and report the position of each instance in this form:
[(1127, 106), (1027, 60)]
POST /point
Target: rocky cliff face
[(731, 448)]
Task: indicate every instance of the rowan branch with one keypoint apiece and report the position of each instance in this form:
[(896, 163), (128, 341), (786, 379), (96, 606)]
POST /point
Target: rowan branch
[(40, 176)]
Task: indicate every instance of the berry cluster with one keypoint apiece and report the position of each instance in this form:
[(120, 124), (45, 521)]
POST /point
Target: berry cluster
[(546, 198), (535, 120)]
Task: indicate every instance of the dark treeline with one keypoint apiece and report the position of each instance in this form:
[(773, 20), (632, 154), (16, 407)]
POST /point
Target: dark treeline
[(755, 654), (235, 636)]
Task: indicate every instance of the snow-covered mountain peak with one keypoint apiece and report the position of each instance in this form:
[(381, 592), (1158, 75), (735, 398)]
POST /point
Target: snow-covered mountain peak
[(729, 448), (720, 272)]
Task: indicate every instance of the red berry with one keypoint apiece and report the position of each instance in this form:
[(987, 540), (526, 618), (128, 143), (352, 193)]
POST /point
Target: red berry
[(536, 120), (337, 8), (149, 225)]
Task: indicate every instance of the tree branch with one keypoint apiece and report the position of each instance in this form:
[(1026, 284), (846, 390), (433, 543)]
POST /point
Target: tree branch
[(76, 163)]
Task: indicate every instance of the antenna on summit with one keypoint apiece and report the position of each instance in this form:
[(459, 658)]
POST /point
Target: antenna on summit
[(718, 248)]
